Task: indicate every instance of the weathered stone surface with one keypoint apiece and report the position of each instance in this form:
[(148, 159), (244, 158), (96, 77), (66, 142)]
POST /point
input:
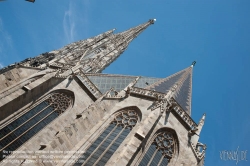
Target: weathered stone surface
[(87, 112)]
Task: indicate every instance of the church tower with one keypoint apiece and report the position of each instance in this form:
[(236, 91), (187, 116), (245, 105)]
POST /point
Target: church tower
[(59, 109)]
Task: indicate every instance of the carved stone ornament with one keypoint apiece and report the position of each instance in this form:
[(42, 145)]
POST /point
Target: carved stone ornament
[(184, 115), (165, 143), (127, 119), (41, 59), (59, 101), (112, 94), (199, 150), (148, 93)]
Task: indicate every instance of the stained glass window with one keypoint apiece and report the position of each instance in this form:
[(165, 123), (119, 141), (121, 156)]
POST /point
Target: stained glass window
[(26, 126), (160, 151), (111, 138)]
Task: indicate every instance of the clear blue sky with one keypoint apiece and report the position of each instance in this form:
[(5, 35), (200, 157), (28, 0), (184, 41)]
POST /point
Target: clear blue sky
[(215, 33)]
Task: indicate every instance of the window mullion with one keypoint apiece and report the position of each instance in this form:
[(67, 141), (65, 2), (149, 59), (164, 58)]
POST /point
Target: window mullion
[(24, 122), (28, 130), (109, 146), (99, 145), (165, 143), (152, 157), (162, 157), (100, 151)]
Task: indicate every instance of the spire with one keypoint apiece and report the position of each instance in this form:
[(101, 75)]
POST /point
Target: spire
[(178, 86), (119, 42), (91, 55), (127, 36)]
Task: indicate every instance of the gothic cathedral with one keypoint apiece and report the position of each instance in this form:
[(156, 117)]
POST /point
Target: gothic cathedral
[(59, 109)]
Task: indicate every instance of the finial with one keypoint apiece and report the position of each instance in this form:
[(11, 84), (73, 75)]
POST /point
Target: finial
[(203, 117), (193, 64), (152, 21)]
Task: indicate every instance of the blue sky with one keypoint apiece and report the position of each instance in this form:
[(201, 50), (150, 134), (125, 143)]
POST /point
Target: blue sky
[(214, 33)]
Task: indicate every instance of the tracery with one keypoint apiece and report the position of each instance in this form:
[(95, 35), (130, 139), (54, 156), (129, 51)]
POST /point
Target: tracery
[(110, 139), (27, 125), (160, 151)]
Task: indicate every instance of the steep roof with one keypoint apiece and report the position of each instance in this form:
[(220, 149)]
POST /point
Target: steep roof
[(179, 84)]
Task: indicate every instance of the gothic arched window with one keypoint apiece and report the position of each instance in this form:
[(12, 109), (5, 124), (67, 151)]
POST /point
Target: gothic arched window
[(23, 128), (110, 139), (160, 151)]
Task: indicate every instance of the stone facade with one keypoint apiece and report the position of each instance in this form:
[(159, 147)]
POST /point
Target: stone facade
[(82, 102)]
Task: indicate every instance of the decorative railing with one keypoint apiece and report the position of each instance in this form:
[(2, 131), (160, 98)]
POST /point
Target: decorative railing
[(183, 114), (61, 65), (113, 94), (147, 93)]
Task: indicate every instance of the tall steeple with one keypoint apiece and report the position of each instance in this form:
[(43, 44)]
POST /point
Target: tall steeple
[(178, 86), (91, 55)]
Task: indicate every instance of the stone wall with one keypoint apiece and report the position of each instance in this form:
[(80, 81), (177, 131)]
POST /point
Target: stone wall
[(81, 124), (13, 76)]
